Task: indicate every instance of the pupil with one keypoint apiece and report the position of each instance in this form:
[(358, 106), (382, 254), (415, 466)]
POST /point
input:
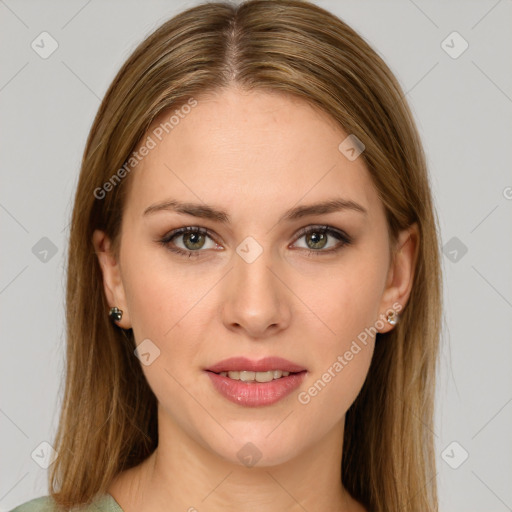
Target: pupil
[(318, 240), (195, 238)]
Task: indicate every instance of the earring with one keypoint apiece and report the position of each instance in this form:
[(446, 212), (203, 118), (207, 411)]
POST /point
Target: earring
[(392, 317), (115, 314)]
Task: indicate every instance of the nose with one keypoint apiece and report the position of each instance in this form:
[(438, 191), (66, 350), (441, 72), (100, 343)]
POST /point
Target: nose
[(256, 298)]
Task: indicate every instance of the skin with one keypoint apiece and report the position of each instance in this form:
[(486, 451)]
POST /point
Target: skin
[(254, 155)]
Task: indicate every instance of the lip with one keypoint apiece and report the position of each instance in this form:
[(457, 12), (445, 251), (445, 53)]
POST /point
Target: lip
[(256, 394), (262, 365)]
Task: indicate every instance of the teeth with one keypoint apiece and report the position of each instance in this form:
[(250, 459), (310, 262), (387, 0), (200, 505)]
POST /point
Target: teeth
[(248, 376)]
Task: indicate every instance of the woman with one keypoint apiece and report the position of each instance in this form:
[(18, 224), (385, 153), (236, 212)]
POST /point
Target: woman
[(254, 288)]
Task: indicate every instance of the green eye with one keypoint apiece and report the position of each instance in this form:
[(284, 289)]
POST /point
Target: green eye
[(317, 238), (194, 239)]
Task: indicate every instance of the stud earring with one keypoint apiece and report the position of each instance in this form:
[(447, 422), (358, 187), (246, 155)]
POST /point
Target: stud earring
[(392, 317), (115, 314)]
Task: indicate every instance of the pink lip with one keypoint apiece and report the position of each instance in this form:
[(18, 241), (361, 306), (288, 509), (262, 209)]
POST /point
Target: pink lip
[(254, 394), (263, 365)]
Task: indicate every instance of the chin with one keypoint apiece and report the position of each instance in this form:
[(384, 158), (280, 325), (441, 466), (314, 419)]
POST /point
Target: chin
[(256, 448)]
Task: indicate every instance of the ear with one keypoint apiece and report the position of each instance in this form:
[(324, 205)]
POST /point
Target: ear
[(112, 281), (400, 275)]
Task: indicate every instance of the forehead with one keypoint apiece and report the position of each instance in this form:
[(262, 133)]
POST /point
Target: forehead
[(258, 147)]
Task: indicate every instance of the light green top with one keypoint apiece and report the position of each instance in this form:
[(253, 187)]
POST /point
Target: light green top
[(105, 503)]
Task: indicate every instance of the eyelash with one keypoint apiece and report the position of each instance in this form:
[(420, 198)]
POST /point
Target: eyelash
[(340, 235)]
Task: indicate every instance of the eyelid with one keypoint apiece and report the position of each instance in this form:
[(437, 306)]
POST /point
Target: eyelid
[(187, 229), (324, 228)]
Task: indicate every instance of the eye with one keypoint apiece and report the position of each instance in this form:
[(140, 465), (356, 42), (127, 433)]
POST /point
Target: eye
[(193, 240), (317, 239), (189, 241)]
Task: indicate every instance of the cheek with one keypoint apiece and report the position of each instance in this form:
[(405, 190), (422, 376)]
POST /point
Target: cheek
[(342, 332), (157, 293), (149, 294), (344, 303), (168, 304), (166, 308)]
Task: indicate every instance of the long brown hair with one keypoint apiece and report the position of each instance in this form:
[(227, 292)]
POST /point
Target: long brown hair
[(108, 420)]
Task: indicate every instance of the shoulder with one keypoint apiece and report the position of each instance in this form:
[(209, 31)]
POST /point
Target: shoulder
[(105, 503), (42, 504)]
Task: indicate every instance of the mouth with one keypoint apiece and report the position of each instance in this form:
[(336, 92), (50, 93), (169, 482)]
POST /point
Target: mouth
[(246, 367), (253, 383), (250, 376), (254, 393)]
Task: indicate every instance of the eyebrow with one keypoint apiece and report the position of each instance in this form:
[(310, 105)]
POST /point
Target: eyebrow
[(207, 212)]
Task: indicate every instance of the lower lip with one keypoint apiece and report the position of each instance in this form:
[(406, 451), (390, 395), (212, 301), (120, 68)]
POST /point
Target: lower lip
[(255, 394)]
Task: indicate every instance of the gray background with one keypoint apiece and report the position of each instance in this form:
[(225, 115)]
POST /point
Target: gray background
[(463, 108)]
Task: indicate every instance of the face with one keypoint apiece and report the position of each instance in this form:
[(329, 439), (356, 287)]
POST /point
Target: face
[(249, 278)]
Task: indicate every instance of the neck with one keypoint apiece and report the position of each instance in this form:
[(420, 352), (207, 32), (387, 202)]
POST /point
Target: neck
[(181, 474)]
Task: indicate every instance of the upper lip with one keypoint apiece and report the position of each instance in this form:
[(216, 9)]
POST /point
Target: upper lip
[(261, 365)]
